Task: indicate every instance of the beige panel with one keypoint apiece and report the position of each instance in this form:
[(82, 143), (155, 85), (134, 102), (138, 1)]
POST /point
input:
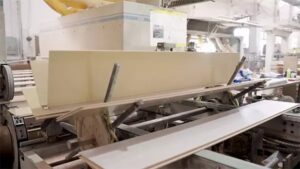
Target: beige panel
[(79, 77), (31, 96), (163, 147), (40, 73)]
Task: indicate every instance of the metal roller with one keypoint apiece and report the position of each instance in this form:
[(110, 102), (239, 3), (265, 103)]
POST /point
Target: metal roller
[(6, 83), (6, 148)]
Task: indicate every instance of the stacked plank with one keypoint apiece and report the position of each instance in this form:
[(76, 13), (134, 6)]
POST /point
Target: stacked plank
[(23, 80)]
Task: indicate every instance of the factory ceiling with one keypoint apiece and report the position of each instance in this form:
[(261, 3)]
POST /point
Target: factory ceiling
[(293, 2)]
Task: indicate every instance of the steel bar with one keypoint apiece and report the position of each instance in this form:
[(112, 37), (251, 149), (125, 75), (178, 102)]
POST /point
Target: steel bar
[(209, 105), (112, 82), (133, 130), (133, 108), (170, 118), (251, 88)]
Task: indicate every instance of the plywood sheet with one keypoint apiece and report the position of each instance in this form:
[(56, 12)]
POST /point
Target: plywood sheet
[(17, 99), (30, 93), (163, 147), (83, 76), (22, 75), (17, 79), (25, 83), (40, 74), (21, 111)]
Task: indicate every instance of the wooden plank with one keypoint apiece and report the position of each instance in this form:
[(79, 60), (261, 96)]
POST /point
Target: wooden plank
[(163, 147), (22, 71), (148, 101), (22, 75), (16, 99), (289, 83), (83, 76), (35, 160), (40, 73), (21, 111), (25, 83), (16, 79), (18, 89)]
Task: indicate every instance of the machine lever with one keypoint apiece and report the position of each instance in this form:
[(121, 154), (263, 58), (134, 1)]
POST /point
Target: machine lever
[(238, 67), (126, 114), (251, 88)]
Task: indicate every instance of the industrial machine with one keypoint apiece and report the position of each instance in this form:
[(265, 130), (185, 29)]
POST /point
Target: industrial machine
[(29, 142), (61, 141)]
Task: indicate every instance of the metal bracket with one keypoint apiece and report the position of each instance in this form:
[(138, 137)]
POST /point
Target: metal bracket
[(20, 128), (51, 128)]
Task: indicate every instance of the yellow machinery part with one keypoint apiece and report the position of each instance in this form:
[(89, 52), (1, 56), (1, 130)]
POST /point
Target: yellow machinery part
[(66, 7), (98, 1), (75, 4), (61, 7)]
